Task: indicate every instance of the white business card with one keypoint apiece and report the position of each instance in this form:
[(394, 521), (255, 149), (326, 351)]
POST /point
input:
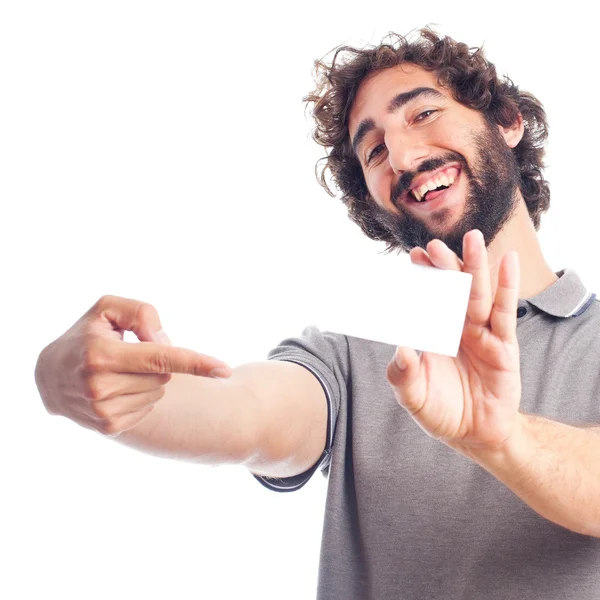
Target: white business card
[(397, 302)]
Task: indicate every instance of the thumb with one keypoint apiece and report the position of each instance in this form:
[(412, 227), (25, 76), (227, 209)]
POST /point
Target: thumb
[(404, 375), (126, 314)]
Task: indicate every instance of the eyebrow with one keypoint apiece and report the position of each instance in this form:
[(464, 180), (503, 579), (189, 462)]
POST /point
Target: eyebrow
[(396, 103)]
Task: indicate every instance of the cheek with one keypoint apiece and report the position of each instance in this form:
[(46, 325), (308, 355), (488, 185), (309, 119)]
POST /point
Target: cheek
[(453, 133), (379, 183), (465, 134)]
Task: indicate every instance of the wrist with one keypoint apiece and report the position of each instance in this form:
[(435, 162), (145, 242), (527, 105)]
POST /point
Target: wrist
[(497, 454)]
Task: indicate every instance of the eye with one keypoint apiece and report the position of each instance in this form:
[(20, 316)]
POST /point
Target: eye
[(425, 114), (377, 150)]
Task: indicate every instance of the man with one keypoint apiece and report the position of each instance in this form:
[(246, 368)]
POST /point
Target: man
[(467, 477)]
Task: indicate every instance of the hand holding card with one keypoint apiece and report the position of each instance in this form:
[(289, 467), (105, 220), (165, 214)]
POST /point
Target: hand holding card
[(471, 401)]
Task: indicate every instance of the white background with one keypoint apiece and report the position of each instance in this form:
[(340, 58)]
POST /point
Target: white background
[(160, 151)]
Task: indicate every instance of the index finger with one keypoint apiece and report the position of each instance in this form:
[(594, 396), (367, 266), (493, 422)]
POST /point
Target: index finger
[(148, 357)]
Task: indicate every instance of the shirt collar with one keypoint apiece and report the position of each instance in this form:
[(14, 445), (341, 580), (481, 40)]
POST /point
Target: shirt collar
[(566, 297)]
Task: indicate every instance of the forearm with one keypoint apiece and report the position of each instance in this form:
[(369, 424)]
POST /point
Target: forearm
[(554, 468), (199, 419)]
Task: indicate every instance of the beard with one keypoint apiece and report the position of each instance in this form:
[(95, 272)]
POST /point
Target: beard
[(491, 200)]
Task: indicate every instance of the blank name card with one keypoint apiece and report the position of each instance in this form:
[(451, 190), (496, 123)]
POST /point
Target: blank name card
[(394, 301)]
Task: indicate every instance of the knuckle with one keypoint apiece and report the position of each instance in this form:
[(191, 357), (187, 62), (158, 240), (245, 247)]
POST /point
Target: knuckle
[(110, 427), (101, 410), (94, 390), (159, 362), (94, 356), (104, 302), (145, 312)]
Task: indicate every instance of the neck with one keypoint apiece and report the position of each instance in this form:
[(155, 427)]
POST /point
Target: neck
[(519, 234)]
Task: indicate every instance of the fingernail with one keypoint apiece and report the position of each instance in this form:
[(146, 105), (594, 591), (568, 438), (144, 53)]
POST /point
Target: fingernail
[(400, 360), (221, 372), (162, 338)]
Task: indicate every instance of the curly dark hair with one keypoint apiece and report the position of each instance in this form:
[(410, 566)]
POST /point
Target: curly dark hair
[(473, 82)]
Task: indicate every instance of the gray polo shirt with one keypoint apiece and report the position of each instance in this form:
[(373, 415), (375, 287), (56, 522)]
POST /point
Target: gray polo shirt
[(408, 518)]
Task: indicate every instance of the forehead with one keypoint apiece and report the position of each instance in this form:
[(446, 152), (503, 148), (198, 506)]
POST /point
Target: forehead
[(376, 91)]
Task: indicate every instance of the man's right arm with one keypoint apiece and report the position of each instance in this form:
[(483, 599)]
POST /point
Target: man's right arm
[(269, 416)]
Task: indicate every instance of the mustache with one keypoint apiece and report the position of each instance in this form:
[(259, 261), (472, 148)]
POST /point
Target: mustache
[(404, 183)]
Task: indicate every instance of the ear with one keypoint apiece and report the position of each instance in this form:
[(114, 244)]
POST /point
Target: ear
[(513, 134)]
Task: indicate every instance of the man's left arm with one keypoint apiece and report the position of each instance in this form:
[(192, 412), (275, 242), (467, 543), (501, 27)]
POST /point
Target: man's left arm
[(553, 467)]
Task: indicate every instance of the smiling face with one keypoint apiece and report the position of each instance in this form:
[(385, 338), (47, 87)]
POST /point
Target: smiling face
[(411, 137)]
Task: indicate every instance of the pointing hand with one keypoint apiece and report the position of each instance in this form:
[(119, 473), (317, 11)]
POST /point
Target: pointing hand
[(94, 378)]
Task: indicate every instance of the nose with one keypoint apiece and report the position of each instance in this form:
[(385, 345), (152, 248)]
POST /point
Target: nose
[(405, 151)]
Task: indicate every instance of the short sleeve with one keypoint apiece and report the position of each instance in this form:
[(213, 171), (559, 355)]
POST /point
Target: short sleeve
[(325, 355)]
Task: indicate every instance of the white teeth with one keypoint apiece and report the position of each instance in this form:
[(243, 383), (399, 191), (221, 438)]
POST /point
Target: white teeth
[(426, 187), (432, 184)]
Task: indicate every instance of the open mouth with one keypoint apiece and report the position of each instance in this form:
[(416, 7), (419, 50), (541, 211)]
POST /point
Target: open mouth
[(431, 187)]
